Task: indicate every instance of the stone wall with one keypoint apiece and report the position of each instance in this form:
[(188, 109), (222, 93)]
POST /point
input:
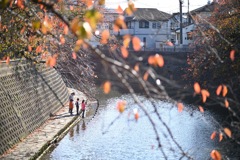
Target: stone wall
[(28, 94)]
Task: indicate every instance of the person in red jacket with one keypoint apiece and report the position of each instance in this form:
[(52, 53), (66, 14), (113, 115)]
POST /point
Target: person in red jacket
[(71, 102), (83, 108)]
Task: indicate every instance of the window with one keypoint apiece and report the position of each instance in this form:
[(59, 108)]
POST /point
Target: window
[(156, 25), (129, 26), (143, 24)]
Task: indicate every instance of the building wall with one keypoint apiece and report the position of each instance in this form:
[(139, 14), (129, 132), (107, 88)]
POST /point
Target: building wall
[(151, 35), (28, 94)]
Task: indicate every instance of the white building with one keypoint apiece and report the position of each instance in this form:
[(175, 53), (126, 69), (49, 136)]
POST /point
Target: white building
[(151, 26)]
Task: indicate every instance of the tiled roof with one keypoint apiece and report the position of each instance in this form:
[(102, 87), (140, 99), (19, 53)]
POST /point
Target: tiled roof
[(149, 14), (207, 8)]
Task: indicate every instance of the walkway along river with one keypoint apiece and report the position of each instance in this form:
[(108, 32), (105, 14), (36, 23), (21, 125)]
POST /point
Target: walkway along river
[(107, 137)]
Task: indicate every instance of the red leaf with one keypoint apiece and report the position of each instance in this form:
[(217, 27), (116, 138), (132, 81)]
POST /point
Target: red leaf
[(232, 55)]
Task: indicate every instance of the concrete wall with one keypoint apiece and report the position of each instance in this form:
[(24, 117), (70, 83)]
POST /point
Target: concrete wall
[(28, 94)]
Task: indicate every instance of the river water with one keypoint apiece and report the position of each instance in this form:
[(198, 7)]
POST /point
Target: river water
[(111, 135)]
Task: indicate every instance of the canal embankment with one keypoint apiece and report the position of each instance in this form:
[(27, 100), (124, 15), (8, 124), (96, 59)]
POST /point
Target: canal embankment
[(44, 138)]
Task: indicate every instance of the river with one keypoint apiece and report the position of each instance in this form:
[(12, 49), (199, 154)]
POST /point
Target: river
[(112, 135)]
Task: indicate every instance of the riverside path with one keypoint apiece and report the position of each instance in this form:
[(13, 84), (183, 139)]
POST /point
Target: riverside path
[(52, 131)]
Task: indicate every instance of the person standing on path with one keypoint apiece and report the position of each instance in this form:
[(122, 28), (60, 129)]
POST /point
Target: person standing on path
[(77, 106), (71, 102), (83, 107)]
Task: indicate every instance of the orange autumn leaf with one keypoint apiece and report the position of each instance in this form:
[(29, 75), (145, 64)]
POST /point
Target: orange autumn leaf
[(107, 87), (136, 43), (71, 8), (130, 9), (226, 103), (22, 30), (220, 137), (105, 35), (213, 135), (8, 60), (228, 132), (232, 55), (124, 52), (41, 6), (20, 4), (126, 40), (74, 55), (151, 60), (215, 155), (62, 39), (136, 114), (101, 2), (65, 31), (219, 90), (38, 49), (51, 61), (224, 91), (197, 87), (145, 76), (156, 60), (121, 106), (180, 107), (119, 10), (201, 109), (159, 59), (29, 48), (119, 24), (136, 67), (205, 94), (89, 3)]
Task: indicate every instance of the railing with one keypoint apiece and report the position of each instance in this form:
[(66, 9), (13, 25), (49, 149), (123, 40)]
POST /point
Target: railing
[(175, 49)]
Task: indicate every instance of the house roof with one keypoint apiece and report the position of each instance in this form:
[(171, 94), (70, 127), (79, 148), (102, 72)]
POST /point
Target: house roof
[(148, 14), (207, 8)]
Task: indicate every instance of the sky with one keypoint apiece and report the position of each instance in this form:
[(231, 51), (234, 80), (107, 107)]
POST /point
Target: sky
[(169, 6)]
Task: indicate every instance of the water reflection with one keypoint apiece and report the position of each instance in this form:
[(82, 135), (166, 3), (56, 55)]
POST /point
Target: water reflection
[(83, 125), (126, 139), (77, 129), (71, 132)]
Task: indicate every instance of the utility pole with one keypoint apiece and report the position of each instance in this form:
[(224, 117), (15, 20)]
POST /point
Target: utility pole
[(181, 31)]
